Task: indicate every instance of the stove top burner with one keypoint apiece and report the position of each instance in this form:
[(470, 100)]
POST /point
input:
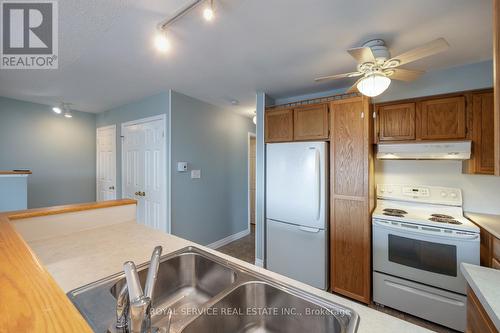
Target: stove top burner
[(442, 216), (394, 212), (444, 220)]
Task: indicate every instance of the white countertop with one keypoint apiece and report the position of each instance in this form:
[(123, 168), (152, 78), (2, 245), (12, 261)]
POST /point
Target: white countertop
[(488, 222), (485, 282), (86, 256)]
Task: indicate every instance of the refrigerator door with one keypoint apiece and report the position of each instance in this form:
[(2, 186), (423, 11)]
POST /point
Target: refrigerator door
[(295, 183), (297, 252)]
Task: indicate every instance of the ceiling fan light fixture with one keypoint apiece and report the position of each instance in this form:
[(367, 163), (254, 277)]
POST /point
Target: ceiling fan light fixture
[(373, 84)]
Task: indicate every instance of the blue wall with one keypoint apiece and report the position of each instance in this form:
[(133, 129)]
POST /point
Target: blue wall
[(215, 141), (211, 208), (147, 107), (59, 151), (472, 76)]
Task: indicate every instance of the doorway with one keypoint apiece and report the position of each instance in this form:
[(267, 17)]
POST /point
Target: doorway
[(144, 169), (251, 180), (106, 163)]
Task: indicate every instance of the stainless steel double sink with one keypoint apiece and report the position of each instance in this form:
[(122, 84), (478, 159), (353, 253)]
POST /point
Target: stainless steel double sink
[(206, 293)]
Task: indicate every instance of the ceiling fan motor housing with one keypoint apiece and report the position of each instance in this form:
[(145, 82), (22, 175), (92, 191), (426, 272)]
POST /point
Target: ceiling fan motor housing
[(379, 49)]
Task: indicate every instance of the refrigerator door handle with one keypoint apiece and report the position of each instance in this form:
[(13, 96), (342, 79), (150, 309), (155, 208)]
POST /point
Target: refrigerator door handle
[(308, 229), (317, 175)]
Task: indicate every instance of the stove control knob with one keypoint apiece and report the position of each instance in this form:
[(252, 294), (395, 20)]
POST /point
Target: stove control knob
[(453, 195), (444, 194)]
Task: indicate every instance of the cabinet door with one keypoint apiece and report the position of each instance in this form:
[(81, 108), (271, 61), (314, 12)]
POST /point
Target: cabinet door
[(483, 133), (350, 225), (477, 318), (396, 122), (279, 125), (310, 122), (441, 119)]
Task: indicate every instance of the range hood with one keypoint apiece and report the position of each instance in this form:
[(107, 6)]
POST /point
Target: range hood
[(443, 150)]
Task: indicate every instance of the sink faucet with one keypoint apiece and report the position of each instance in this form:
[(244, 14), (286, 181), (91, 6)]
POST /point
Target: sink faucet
[(133, 307)]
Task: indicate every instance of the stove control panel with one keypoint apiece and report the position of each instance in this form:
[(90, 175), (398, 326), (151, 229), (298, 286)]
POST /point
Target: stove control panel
[(418, 193)]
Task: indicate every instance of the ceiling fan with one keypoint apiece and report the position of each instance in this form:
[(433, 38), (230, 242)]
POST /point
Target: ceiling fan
[(377, 68)]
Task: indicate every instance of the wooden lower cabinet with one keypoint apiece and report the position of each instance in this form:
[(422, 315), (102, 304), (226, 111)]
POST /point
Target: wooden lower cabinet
[(477, 318), (351, 198)]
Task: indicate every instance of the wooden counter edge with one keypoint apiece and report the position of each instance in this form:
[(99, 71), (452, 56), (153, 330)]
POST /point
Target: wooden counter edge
[(12, 172), (24, 214), (32, 301)]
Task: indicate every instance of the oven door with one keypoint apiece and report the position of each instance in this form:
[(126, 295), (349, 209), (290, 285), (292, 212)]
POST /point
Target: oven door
[(423, 254)]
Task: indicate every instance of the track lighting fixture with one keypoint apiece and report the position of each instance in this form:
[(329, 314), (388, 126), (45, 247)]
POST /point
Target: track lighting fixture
[(63, 108), (208, 12), (161, 40)]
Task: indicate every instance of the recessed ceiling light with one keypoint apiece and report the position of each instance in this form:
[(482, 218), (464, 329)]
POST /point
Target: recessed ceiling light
[(57, 109), (68, 115), (161, 41), (235, 102)]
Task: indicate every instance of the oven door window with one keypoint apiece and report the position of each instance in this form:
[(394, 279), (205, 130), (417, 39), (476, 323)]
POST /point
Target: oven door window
[(427, 256)]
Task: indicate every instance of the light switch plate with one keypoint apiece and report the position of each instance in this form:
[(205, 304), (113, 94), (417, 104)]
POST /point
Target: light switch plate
[(182, 166), (195, 174)]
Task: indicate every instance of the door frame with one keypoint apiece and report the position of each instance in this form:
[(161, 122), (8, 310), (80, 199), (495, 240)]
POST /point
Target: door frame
[(97, 159), (165, 206), (250, 135)]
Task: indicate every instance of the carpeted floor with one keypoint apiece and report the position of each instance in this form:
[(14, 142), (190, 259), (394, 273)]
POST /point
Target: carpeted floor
[(243, 248)]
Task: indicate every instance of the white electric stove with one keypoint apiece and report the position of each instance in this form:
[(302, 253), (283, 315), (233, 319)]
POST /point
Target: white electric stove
[(420, 238)]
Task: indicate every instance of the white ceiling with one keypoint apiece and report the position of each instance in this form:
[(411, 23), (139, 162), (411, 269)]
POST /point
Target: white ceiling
[(276, 46)]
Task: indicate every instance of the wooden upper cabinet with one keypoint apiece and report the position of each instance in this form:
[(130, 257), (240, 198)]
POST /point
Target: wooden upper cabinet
[(441, 119), (483, 134), (279, 125), (311, 122), (396, 122)]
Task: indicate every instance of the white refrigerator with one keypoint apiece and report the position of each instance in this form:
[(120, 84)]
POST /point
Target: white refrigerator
[(296, 211)]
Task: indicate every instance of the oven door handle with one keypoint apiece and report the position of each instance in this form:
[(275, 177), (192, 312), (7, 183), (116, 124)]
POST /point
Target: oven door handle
[(398, 227)]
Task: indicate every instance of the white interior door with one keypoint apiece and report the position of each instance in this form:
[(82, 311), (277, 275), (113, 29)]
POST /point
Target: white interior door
[(144, 170), (106, 163)]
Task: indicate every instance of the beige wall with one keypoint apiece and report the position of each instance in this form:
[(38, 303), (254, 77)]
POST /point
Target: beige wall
[(481, 193)]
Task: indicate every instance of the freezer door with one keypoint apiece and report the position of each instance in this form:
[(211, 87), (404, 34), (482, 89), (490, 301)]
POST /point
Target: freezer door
[(297, 252), (296, 183)]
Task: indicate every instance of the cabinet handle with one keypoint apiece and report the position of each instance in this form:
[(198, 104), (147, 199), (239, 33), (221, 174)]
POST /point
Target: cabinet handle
[(111, 188), (137, 193), (362, 115)]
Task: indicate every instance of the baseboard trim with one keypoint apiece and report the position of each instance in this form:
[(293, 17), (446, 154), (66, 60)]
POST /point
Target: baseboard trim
[(229, 239), (259, 262)]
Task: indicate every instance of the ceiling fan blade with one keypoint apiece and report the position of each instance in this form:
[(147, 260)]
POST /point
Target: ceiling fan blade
[(354, 87), (431, 48), (362, 54), (405, 74), (338, 76)]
